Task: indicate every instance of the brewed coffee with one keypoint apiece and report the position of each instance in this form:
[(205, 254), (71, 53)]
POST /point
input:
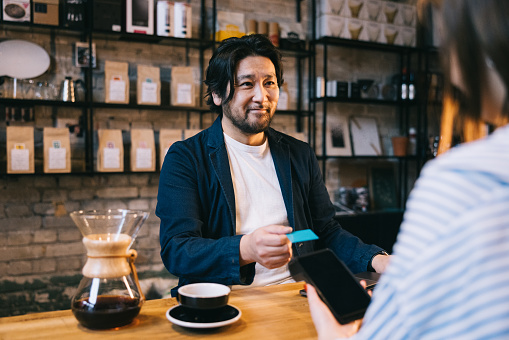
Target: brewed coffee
[(107, 312)]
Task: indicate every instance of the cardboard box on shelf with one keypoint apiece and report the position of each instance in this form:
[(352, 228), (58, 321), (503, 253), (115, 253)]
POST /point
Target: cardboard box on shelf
[(107, 15), (334, 7), (330, 26), (46, 12)]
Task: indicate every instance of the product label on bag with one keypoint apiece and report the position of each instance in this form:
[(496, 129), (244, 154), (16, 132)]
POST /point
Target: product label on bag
[(149, 92), (143, 158), (111, 157), (20, 158), (117, 89), (57, 156), (184, 94)]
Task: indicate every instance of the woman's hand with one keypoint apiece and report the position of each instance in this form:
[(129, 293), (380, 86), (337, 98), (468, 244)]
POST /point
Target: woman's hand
[(326, 324)]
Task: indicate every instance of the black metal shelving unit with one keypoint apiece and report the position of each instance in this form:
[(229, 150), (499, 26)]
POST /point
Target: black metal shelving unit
[(407, 57), (89, 104)]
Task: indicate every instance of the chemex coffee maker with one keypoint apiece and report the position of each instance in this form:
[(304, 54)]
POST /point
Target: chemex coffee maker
[(109, 295)]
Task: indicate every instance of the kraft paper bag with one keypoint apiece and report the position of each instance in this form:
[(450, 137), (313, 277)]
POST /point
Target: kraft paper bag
[(20, 150), (57, 150), (143, 156), (110, 154), (166, 138), (183, 89), (148, 85), (116, 76)]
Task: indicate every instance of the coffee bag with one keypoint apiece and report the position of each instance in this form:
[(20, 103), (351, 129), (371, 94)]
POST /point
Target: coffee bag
[(148, 85), (20, 150), (166, 138), (143, 157), (116, 76), (57, 150), (110, 154), (183, 89)]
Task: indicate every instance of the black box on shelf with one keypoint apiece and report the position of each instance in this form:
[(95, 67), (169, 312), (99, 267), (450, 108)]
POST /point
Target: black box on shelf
[(354, 90), (74, 13), (45, 12), (342, 89), (107, 15)]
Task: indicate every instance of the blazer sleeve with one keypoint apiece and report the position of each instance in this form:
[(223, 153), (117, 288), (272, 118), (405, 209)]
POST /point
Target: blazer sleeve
[(349, 248), (197, 242)]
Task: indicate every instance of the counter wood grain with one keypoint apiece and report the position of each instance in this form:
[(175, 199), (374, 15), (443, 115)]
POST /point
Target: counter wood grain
[(274, 312)]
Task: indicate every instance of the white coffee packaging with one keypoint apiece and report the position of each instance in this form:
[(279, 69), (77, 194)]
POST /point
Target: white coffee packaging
[(353, 8), (371, 11), (408, 15), (182, 14), (165, 18), (407, 36), (354, 29), (330, 26), (333, 7), (391, 34), (391, 13)]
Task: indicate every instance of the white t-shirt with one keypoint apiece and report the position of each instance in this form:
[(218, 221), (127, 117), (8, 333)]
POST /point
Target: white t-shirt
[(258, 199)]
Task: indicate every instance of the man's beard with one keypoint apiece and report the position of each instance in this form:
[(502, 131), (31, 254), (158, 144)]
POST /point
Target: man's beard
[(243, 123)]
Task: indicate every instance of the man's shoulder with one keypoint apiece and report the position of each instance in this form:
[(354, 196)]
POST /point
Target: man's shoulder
[(297, 138)]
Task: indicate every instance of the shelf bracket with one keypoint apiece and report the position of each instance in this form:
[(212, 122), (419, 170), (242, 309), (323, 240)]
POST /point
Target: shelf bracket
[(299, 16)]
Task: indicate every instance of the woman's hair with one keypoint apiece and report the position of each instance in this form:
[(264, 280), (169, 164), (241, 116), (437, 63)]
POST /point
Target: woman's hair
[(223, 65), (477, 33)]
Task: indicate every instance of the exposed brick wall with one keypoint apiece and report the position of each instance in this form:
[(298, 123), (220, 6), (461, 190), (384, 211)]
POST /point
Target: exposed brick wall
[(41, 253)]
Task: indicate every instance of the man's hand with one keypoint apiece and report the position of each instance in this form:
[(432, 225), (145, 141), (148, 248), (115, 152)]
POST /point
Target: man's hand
[(380, 263), (268, 246)]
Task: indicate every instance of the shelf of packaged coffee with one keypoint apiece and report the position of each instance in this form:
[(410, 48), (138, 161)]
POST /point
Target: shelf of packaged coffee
[(364, 101), (38, 102), (151, 39), (27, 27), (151, 107), (367, 45)]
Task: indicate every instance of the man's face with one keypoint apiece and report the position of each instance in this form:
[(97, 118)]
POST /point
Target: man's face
[(256, 94)]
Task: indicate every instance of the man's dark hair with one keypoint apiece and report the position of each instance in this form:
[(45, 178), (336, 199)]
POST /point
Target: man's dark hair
[(224, 61)]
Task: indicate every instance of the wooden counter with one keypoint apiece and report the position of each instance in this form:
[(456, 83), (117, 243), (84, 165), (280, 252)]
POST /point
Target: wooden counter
[(274, 312)]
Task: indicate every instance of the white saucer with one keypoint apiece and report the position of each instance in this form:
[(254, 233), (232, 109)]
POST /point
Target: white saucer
[(186, 317)]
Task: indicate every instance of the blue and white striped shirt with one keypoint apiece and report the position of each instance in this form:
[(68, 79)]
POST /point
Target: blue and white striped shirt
[(449, 276)]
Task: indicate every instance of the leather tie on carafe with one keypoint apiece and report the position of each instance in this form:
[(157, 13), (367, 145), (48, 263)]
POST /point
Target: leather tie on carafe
[(131, 257)]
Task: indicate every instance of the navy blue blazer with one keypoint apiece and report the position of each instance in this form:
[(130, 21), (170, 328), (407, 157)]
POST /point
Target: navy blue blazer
[(196, 205)]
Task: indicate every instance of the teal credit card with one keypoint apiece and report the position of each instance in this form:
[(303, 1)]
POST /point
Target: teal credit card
[(302, 236)]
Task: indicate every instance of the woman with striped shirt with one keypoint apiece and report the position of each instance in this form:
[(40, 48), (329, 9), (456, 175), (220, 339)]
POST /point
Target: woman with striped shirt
[(449, 276)]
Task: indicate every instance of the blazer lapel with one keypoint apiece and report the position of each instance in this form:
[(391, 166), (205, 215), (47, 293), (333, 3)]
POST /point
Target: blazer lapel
[(219, 159), (281, 156)]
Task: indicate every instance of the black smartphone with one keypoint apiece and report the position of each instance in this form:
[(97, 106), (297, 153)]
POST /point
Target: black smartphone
[(334, 282)]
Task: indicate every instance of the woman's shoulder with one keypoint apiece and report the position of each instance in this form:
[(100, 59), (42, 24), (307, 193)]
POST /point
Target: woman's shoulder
[(487, 155)]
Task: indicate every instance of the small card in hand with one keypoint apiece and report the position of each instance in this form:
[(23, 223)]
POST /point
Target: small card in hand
[(302, 236)]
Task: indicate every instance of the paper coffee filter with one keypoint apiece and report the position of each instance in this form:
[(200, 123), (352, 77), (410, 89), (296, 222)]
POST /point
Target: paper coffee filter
[(22, 59)]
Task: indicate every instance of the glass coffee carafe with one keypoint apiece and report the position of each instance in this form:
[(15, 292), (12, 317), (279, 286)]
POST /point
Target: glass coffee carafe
[(109, 294)]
